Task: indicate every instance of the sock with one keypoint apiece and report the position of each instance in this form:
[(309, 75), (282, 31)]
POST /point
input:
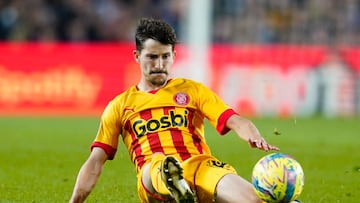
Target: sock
[(155, 174)]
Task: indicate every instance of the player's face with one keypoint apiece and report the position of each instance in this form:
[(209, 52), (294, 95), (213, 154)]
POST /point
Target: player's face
[(155, 61)]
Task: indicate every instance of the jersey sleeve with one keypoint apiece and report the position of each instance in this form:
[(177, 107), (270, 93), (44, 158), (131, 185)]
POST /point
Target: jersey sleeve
[(108, 134), (214, 109)]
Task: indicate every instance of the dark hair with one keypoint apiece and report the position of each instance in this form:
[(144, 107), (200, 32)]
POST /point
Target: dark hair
[(158, 30)]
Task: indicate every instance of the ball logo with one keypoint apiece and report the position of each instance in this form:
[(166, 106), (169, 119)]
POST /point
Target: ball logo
[(181, 98)]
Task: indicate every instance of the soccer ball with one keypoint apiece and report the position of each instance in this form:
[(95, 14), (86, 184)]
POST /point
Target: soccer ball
[(277, 178)]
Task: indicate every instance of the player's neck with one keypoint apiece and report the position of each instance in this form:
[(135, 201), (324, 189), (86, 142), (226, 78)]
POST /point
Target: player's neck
[(146, 87)]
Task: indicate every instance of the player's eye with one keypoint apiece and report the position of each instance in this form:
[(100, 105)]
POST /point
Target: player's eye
[(166, 56), (153, 56)]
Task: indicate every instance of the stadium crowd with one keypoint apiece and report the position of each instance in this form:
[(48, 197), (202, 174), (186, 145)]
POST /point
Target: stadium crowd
[(234, 21)]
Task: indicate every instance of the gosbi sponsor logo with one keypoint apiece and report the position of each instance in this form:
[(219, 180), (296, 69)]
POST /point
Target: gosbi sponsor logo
[(173, 120)]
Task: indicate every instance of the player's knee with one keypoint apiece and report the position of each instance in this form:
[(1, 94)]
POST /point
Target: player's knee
[(233, 188), (146, 178)]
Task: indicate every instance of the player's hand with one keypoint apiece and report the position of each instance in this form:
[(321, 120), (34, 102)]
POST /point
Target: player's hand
[(260, 143)]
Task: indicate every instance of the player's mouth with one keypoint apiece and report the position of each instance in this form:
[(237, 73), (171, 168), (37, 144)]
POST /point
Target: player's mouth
[(158, 72)]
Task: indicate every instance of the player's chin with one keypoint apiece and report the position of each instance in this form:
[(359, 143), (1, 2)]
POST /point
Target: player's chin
[(158, 80)]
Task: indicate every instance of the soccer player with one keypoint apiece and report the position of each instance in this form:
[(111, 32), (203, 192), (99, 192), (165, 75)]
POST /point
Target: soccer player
[(161, 122)]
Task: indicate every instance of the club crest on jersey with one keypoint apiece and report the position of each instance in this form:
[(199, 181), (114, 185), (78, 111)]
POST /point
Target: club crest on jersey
[(181, 98)]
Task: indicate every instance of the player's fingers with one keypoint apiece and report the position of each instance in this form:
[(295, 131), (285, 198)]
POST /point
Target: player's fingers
[(254, 142), (259, 143), (262, 144), (265, 146), (271, 147)]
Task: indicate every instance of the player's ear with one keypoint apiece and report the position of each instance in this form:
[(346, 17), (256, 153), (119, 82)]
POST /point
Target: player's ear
[(136, 55)]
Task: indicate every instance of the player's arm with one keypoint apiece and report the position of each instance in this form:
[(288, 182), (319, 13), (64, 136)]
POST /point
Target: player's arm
[(247, 131), (88, 175)]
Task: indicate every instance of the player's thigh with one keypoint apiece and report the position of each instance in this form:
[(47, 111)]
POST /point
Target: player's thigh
[(233, 188), (203, 173)]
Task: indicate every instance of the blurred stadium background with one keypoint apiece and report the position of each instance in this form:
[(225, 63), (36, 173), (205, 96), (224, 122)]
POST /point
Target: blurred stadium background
[(291, 65), (265, 58)]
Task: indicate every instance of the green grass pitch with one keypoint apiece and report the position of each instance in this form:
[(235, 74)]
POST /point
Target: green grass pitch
[(40, 158)]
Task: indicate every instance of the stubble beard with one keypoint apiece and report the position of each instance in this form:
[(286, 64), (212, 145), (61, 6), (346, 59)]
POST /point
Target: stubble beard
[(158, 82)]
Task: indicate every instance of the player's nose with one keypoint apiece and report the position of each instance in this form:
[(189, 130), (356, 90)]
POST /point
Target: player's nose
[(159, 63)]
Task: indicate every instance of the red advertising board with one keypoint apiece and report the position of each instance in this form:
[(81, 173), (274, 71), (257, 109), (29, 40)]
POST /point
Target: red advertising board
[(265, 79), (80, 78), (63, 78)]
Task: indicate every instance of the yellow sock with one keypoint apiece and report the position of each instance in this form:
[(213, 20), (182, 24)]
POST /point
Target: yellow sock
[(155, 174)]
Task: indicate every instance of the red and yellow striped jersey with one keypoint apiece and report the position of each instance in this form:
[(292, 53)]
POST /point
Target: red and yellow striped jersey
[(168, 120)]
